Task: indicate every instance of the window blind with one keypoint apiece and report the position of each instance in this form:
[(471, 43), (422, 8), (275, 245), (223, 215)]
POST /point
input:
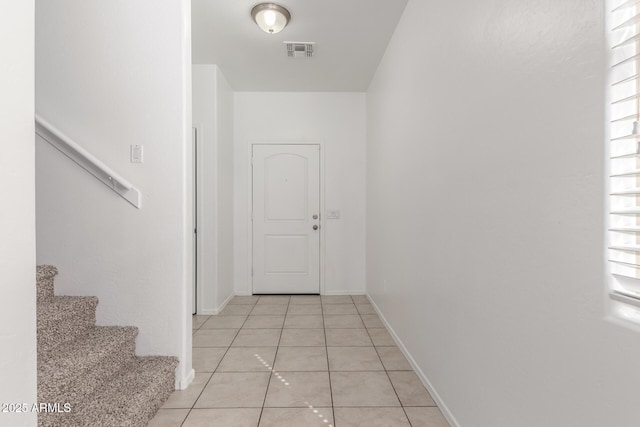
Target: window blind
[(624, 152)]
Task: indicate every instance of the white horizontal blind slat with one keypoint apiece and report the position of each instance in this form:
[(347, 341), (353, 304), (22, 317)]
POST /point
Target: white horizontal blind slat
[(626, 4), (625, 42), (626, 60), (626, 80), (628, 23)]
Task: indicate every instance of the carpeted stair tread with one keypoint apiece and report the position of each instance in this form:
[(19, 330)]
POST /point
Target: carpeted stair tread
[(44, 281), (64, 319), (129, 400), (93, 368), (76, 369), (133, 398)]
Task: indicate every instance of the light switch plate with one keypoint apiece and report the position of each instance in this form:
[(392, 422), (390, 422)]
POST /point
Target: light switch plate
[(136, 153), (333, 214)]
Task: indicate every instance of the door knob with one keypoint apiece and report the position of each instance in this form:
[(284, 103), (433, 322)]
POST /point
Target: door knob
[(315, 227)]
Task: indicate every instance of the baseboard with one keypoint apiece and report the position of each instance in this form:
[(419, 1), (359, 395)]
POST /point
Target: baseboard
[(358, 292), (182, 384), (213, 311), (224, 304), (432, 391)]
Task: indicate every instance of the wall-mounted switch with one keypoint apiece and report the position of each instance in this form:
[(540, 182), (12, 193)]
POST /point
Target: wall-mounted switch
[(333, 214), (136, 153)]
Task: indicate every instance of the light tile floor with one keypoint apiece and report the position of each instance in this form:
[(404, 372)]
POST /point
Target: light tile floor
[(298, 361)]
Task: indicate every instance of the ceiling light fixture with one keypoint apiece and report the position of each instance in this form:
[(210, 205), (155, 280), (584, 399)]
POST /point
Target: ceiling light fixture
[(270, 17)]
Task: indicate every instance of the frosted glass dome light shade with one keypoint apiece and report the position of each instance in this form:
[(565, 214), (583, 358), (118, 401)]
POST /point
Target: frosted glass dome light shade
[(270, 17)]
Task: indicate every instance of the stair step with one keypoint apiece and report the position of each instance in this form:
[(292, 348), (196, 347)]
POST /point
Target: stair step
[(129, 400), (93, 368), (64, 319), (45, 275), (78, 368)]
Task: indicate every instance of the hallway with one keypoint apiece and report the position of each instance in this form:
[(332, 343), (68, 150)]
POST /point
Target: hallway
[(334, 360)]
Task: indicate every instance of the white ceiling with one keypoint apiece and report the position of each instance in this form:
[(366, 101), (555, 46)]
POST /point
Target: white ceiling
[(351, 37)]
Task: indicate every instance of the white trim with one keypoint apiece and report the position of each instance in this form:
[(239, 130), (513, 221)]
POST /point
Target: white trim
[(347, 292), (425, 381), (251, 143), (200, 292), (186, 381), (323, 220), (212, 312), (184, 305), (217, 310), (223, 305)]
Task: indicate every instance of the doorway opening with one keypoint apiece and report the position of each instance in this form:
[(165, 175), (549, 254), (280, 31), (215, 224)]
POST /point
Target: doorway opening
[(194, 301)]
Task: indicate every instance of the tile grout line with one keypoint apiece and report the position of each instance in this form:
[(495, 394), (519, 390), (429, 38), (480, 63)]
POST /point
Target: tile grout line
[(215, 370), (200, 327), (385, 369), (266, 392), (295, 407), (326, 349), (272, 370)]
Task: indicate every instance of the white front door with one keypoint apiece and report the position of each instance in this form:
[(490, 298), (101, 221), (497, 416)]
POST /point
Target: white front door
[(286, 219)]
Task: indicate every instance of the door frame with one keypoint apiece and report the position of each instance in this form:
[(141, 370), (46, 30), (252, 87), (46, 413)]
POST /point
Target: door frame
[(196, 129), (194, 155), (251, 143)]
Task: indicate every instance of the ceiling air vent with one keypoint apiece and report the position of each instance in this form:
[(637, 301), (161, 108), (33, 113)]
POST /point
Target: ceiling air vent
[(299, 49)]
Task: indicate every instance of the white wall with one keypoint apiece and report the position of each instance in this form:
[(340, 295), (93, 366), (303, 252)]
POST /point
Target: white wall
[(213, 115), (485, 246), (224, 117), (110, 75), (335, 120), (17, 215)]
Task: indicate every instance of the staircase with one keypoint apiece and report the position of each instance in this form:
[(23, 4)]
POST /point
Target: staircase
[(93, 368)]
